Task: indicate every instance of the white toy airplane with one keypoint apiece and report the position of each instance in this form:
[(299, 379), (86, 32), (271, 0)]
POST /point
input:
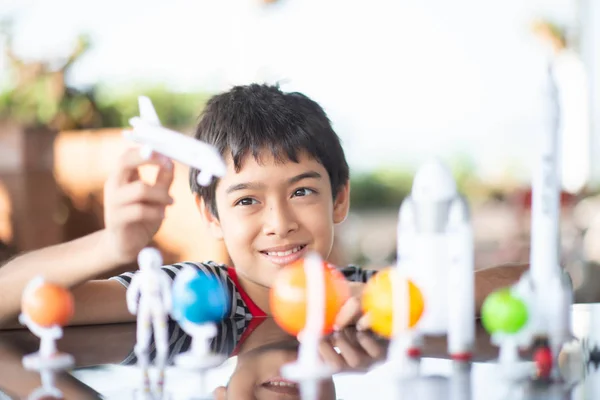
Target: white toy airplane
[(148, 132)]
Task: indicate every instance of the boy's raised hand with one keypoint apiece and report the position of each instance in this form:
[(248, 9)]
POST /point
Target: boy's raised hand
[(134, 209)]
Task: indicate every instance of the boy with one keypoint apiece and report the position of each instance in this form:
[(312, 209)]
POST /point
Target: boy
[(285, 188)]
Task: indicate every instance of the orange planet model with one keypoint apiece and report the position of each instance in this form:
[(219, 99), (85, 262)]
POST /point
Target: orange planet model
[(48, 305), (288, 297), (377, 302)]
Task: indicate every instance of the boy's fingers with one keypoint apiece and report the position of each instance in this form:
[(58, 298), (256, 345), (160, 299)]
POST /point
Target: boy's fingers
[(348, 314), (131, 159), (349, 335), (331, 356), (363, 323), (140, 192), (165, 175), (370, 345), (353, 355), (141, 212)]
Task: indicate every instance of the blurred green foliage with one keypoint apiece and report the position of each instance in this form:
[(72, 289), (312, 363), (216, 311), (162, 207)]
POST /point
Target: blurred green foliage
[(175, 109), (34, 93), (380, 189), (386, 188), (37, 93)]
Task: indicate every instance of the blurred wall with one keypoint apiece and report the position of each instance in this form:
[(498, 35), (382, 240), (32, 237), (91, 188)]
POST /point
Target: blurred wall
[(83, 161), (29, 195)]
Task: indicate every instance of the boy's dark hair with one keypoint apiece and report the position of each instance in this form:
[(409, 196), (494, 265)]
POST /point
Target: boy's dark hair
[(248, 119)]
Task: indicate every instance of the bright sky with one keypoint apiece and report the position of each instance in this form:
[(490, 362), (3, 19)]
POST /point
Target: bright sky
[(401, 80)]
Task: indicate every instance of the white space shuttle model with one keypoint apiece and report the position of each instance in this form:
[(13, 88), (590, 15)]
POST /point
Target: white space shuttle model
[(148, 132), (435, 252)]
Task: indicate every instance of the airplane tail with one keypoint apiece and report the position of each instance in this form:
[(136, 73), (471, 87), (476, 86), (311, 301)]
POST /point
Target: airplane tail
[(147, 111)]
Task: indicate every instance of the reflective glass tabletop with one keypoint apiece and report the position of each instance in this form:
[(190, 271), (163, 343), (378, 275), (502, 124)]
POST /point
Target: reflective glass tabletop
[(255, 350)]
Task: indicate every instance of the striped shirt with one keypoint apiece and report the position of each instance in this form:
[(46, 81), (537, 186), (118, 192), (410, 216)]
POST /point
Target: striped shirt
[(238, 325), (243, 307)]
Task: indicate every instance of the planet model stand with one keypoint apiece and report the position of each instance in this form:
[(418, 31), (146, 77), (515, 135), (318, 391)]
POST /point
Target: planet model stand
[(45, 308), (199, 301), (305, 299)]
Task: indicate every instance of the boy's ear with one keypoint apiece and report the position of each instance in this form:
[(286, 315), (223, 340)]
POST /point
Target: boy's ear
[(213, 223), (341, 204)]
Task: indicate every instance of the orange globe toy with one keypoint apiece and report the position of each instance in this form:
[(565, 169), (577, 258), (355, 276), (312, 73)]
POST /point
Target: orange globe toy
[(288, 297), (377, 302), (48, 304)]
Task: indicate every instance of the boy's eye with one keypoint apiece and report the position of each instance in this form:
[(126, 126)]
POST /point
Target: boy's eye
[(246, 201), (303, 192)]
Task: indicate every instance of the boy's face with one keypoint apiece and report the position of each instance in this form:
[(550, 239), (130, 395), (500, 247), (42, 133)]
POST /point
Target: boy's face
[(271, 214)]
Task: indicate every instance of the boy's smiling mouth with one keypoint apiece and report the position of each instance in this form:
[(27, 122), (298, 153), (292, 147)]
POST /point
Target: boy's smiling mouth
[(282, 386), (284, 255)]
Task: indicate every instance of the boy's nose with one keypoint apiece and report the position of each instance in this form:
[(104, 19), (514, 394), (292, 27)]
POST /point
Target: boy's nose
[(280, 222)]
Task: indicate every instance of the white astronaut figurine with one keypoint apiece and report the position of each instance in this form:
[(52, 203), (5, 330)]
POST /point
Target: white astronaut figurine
[(149, 296), (435, 251)]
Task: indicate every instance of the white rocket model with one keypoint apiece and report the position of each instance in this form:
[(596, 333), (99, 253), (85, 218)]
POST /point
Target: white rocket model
[(435, 251), (148, 132), (149, 296), (546, 288), (552, 287)]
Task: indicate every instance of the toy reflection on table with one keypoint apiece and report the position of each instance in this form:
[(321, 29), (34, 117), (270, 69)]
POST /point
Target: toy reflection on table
[(48, 389), (45, 308), (416, 385), (590, 354)]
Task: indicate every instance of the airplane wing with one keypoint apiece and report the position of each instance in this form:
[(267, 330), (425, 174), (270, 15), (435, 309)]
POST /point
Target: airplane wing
[(147, 111)]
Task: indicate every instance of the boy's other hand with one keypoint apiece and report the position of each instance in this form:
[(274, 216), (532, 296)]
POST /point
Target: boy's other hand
[(134, 209), (357, 351), (349, 314), (351, 311)]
